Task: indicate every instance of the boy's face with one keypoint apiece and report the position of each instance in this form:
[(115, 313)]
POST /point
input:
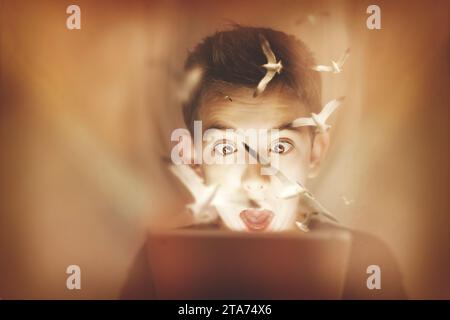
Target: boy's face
[(249, 197)]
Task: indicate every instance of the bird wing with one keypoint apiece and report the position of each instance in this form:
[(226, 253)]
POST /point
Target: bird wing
[(302, 226), (267, 50), (300, 122), (212, 195), (344, 57), (264, 82), (289, 190), (322, 68), (190, 82), (293, 188), (329, 108), (315, 206), (190, 180), (203, 206)]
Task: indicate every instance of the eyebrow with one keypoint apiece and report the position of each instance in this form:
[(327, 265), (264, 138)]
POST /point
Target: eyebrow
[(219, 126), (224, 126)]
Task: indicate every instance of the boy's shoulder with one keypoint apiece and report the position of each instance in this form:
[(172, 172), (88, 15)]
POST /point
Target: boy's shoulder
[(366, 239), (368, 253)]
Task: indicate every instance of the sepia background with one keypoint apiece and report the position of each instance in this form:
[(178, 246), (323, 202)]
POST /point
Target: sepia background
[(85, 116)]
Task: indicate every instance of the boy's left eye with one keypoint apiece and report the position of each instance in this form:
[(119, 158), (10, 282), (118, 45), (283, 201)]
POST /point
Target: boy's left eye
[(281, 147), (225, 148)]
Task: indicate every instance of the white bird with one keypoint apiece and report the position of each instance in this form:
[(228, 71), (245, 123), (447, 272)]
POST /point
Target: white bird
[(347, 201), (272, 66), (189, 84), (314, 207), (312, 18), (308, 199), (304, 225), (202, 208), (319, 120), (292, 188), (336, 66)]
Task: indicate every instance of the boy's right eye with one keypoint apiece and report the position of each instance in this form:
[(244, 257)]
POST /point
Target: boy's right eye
[(225, 148)]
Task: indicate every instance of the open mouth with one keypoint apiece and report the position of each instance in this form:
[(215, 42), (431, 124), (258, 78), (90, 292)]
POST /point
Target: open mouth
[(256, 219)]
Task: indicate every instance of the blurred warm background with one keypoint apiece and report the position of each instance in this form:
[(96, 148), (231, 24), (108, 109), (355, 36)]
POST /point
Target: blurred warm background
[(86, 115)]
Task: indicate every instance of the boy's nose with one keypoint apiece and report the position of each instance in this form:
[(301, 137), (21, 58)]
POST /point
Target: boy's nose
[(252, 180)]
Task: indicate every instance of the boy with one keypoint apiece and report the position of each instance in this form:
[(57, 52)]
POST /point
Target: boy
[(261, 79)]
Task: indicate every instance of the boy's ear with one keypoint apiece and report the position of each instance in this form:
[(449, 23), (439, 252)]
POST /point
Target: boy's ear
[(319, 149)]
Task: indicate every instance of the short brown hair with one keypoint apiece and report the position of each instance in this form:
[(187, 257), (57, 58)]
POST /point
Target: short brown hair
[(235, 57)]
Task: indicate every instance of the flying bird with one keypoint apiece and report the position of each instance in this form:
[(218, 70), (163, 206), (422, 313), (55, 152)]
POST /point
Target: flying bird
[(272, 66), (312, 18), (336, 66), (189, 83), (202, 207), (315, 208), (347, 201), (319, 120), (304, 225), (292, 188)]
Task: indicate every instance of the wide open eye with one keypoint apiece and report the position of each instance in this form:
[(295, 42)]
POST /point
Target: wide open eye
[(281, 147), (225, 148)]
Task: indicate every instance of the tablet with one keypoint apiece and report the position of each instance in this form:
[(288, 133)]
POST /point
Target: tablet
[(213, 264)]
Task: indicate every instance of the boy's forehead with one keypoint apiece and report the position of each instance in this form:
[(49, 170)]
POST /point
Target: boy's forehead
[(240, 110)]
